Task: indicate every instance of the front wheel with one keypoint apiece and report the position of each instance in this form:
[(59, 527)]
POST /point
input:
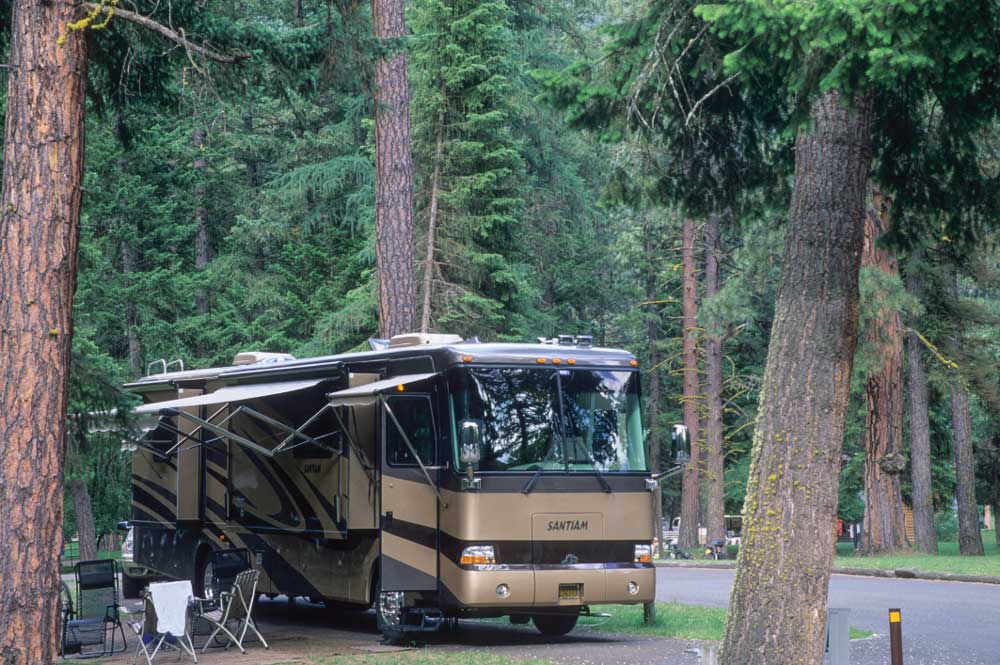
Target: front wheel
[(388, 612), (554, 625)]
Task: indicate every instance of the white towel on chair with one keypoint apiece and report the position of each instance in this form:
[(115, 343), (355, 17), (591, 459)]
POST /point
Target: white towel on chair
[(170, 600)]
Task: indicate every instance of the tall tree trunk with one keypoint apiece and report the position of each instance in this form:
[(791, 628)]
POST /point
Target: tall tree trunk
[(393, 177), (39, 229), (425, 317), (131, 312), (690, 481), (201, 248), (920, 435), (85, 531), (715, 480), (884, 522), (655, 358), (778, 604), (970, 541)]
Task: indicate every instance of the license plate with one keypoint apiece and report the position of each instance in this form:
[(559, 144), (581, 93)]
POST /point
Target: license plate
[(569, 591)]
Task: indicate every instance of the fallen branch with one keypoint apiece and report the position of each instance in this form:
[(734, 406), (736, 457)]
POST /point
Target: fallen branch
[(166, 32)]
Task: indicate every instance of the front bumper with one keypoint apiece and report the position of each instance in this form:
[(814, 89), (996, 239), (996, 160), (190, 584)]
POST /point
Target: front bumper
[(539, 585)]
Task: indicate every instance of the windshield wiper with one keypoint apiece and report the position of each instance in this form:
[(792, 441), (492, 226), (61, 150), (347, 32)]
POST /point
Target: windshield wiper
[(541, 467), (600, 474)]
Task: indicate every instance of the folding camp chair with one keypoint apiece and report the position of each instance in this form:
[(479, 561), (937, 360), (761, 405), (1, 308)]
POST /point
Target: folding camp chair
[(235, 605), (95, 613), (166, 620)]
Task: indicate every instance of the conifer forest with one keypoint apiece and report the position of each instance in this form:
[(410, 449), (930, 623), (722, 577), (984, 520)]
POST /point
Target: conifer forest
[(788, 211)]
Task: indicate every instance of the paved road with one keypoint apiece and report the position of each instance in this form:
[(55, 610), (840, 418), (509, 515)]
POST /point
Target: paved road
[(943, 622)]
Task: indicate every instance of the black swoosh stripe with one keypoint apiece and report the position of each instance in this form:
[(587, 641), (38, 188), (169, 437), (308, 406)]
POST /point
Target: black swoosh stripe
[(158, 489), (416, 533), (152, 504)]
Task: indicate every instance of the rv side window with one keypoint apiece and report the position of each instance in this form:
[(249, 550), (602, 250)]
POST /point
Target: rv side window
[(415, 417)]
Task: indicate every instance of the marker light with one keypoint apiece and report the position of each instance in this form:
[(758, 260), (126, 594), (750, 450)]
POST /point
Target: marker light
[(400, 387), (633, 363), (478, 555), (467, 359), (643, 553), (556, 361), (571, 361), (540, 361)]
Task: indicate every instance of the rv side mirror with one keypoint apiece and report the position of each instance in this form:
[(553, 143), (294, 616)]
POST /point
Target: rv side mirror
[(124, 525), (471, 440), (680, 444)]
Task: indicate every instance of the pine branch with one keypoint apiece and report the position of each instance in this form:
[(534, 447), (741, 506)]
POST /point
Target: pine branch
[(164, 31)]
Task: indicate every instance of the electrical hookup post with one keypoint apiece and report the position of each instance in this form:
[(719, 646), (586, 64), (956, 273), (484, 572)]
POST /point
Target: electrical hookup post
[(896, 636)]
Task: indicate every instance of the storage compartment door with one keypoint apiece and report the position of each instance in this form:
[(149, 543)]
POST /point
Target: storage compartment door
[(190, 469)]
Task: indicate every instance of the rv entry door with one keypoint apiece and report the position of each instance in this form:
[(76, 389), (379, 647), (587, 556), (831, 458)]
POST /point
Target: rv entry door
[(409, 494)]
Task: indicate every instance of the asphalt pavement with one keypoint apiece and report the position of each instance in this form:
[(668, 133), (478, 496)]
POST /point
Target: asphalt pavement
[(944, 623)]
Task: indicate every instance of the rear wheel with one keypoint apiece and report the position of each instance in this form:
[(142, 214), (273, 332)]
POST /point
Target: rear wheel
[(203, 576), (554, 625)]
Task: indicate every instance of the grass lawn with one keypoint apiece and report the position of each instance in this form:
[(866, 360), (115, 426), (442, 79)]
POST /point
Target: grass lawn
[(948, 560), (691, 622), (427, 657)]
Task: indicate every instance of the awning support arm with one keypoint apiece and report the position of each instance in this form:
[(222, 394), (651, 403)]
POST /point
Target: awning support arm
[(292, 433), (285, 428), (406, 440), (365, 465), (190, 435), (224, 433)]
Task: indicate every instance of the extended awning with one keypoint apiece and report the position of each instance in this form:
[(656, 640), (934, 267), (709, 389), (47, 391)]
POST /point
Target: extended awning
[(233, 399), (367, 394), (231, 394)]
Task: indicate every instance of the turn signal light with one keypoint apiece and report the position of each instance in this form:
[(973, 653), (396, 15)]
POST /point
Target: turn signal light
[(643, 554), (478, 555)]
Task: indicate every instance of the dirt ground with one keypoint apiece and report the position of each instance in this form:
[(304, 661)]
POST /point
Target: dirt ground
[(306, 634)]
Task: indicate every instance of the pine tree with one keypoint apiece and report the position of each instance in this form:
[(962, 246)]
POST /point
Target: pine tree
[(472, 203)]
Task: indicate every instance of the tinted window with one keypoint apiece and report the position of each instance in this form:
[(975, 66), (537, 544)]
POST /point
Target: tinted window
[(417, 421)]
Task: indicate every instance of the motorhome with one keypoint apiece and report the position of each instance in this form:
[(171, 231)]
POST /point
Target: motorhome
[(436, 478)]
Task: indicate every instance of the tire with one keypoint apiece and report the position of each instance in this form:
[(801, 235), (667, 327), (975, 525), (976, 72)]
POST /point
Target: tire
[(132, 587), (554, 625), (390, 632), (203, 574)]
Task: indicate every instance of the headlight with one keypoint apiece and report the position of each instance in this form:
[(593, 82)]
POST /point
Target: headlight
[(478, 554), (643, 554)]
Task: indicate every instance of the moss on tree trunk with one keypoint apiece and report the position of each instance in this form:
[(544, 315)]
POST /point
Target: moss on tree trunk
[(778, 602)]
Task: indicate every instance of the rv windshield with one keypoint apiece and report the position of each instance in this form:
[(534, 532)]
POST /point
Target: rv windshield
[(557, 419)]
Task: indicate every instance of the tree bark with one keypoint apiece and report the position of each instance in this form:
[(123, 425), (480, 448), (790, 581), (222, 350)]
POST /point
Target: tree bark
[(653, 403), (39, 229), (690, 482), (884, 523), (715, 480), (85, 532), (970, 541), (425, 318), (778, 604), (920, 436), (393, 177), (201, 248), (131, 313)]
